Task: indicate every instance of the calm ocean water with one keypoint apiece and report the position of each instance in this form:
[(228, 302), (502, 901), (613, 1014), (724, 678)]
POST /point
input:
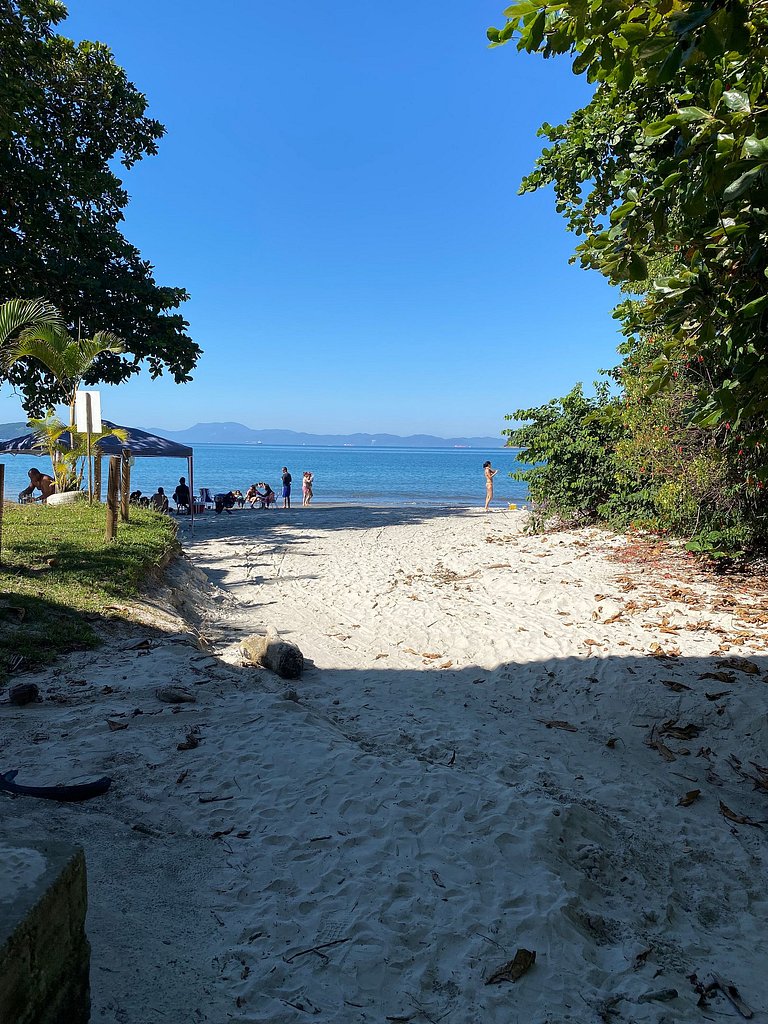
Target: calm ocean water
[(369, 476)]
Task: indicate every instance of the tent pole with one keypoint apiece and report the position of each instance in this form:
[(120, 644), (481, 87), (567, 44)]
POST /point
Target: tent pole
[(190, 463)]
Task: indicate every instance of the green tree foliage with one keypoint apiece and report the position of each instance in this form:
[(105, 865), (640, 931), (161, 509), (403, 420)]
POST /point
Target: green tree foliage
[(67, 112), (671, 158), (570, 444)]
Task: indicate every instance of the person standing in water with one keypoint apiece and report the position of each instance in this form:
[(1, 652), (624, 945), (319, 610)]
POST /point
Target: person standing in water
[(489, 475), (286, 488)]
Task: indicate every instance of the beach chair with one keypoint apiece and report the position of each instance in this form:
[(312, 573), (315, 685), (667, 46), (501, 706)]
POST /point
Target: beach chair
[(206, 498)]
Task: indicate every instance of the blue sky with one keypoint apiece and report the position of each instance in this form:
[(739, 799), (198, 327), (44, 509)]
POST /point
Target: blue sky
[(337, 191)]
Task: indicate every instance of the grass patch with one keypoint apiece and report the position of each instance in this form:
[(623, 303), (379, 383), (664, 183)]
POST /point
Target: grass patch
[(57, 572)]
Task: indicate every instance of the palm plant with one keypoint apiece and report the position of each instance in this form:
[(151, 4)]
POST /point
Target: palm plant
[(47, 340), (67, 459), (26, 314)]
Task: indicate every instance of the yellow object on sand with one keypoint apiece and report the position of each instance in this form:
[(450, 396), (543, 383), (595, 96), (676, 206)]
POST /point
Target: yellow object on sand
[(512, 506)]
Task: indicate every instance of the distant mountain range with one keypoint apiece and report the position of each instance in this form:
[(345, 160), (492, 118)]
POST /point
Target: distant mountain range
[(236, 433), (8, 430)]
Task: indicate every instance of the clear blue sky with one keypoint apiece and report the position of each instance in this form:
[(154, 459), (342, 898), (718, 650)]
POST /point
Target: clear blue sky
[(337, 191)]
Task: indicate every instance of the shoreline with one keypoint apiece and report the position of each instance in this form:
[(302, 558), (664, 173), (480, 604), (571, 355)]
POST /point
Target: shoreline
[(469, 764)]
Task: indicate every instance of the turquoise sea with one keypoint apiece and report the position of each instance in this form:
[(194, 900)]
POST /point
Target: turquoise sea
[(368, 476)]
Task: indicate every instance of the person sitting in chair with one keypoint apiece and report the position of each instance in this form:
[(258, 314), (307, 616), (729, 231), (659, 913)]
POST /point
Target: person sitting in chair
[(181, 495), (159, 500), (267, 496), (224, 503), (38, 482)]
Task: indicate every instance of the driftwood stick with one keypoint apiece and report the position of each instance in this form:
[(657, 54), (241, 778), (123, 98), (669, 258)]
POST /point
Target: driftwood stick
[(315, 949), (731, 993)]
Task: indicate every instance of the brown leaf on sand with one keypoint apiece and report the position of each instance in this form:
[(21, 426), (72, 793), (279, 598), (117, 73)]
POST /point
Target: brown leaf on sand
[(613, 618), (192, 740), (514, 969), (427, 655), (656, 744), (378, 656), (446, 664), (437, 879), (116, 726), (679, 732), (672, 685), (410, 650), (740, 819), (742, 664), (592, 643), (690, 797), (553, 723), (717, 696), (226, 832), (721, 677)]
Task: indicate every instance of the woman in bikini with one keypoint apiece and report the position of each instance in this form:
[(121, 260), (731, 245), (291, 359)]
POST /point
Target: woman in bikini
[(489, 475), (306, 486)]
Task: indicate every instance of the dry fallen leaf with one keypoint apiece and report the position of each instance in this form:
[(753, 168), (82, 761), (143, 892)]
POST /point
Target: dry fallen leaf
[(514, 969), (672, 685), (427, 655), (742, 664), (613, 618), (740, 819), (116, 726), (690, 797), (717, 696), (679, 732), (552, 723), (721, 677)]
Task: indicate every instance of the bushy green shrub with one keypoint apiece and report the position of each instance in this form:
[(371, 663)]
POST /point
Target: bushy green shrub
[(570, 444)]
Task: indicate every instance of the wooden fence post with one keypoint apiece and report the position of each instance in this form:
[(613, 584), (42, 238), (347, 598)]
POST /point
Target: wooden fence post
[(97, 476), (112, 485), (125, 489)]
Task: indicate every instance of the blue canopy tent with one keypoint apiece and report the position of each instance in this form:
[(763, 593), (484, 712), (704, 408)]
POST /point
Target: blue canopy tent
[(139, 444)]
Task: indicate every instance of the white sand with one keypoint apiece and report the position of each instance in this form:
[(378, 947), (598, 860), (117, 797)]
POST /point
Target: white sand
[(411, 817)]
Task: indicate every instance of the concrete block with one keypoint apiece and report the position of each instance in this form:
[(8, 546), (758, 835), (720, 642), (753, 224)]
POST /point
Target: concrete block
[(44, 951)]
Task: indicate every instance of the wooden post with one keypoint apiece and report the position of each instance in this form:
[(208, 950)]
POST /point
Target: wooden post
[(89, 431), (97, 475), (2, 507), (125, 488), (112, 485)]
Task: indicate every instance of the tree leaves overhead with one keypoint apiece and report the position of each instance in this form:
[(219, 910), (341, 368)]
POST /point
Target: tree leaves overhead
[(670, 159), (67, 113)]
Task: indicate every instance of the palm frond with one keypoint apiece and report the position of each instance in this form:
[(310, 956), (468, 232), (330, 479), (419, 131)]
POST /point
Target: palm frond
[(104, 341), (16, 314)]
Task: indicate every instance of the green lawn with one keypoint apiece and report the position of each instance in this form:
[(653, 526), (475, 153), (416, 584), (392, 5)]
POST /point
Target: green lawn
[(57, 571)]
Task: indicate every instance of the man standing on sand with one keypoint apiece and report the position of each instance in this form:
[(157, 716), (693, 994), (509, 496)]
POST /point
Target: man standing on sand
[(286, 488), (489, 475)]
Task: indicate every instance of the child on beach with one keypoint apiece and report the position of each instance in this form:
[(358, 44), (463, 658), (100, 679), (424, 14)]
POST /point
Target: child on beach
[(306, 486), (489, 475)]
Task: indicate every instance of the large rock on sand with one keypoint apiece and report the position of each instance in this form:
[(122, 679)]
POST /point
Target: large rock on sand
[(274, 653)]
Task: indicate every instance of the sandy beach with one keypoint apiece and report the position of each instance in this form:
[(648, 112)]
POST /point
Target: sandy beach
[(496, 744)]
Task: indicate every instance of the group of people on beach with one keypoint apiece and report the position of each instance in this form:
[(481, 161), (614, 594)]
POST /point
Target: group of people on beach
[(258, 494), (225, 501)]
